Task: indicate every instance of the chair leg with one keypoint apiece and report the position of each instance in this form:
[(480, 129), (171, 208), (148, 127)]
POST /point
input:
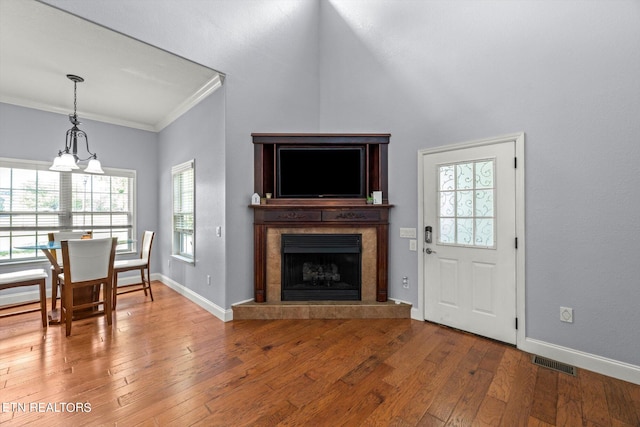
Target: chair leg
[(107, 297), (114, 290), (43, 302), (67, 308), (62, 299), (144, 284), (54, 291), (148, 283)]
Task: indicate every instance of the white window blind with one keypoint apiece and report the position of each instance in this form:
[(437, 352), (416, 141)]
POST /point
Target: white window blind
[(35, 201), (183, 176)]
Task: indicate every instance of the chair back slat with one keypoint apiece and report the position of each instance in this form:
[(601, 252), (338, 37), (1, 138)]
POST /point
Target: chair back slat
[(88, 259), (147, 241)]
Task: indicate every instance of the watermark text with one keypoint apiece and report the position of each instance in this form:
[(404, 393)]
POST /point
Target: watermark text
[(46, 407)]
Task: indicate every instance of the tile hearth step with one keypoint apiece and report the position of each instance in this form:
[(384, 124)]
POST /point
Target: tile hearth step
[(321, 310)]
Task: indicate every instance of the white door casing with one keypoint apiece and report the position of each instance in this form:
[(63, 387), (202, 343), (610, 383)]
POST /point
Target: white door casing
[(470, 196)]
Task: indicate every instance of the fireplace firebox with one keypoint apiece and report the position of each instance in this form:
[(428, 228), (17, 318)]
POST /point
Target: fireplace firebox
[(321, 267)]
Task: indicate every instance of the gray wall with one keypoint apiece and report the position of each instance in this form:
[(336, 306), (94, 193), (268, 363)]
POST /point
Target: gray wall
[(434, 73), (31, 134), (198, 135), (568, 74)]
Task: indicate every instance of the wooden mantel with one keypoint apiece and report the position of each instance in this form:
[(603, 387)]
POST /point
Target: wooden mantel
[(318, 215)]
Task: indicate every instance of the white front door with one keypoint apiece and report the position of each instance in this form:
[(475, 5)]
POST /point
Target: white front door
[(470, 265)]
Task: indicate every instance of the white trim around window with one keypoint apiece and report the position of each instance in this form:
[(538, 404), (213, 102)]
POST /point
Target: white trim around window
[(183, 221), (35, 201)]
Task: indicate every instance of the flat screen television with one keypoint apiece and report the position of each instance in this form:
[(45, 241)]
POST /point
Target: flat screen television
[(312, 172)]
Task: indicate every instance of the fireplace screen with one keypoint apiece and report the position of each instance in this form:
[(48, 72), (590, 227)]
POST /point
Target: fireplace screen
[(321, 267)]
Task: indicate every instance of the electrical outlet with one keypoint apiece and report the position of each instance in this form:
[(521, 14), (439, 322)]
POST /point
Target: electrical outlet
[(169, 263), (405, 282), (208, 279), (566, 314)]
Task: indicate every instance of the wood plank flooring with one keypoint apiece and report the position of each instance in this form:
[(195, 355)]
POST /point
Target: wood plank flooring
[(170, 363)]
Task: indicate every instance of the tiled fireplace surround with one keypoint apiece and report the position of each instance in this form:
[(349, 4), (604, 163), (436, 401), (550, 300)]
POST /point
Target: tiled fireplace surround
[(274, 258), (367, 307)]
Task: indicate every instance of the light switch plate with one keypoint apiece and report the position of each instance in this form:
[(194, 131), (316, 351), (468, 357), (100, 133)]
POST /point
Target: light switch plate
[(408, 233)]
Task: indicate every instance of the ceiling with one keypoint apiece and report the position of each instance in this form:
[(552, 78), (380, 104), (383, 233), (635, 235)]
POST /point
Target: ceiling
[(127, 82)]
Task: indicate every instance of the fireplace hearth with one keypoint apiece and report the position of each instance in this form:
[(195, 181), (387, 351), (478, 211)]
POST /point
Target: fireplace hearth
[(321, 267)]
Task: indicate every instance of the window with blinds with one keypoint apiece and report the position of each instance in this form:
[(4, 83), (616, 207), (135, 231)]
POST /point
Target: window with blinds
[(184, 211), (35, 201)]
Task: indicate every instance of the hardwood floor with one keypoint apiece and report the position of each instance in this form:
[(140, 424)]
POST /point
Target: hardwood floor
[(169, 362)]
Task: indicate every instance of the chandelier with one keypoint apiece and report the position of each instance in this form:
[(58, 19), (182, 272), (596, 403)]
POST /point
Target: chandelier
[(67, 159)]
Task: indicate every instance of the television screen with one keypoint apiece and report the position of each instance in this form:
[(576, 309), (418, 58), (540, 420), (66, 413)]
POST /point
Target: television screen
[(320, 172)]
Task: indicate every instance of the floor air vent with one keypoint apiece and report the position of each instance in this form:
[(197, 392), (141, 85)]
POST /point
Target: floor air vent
[(552, 364)]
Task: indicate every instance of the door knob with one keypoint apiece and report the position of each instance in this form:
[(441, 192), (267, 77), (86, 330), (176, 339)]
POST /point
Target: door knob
[(429, 251)]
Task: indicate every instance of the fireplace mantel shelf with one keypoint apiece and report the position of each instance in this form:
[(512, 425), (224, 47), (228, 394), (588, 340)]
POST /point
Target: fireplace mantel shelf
[(318, 204), (319, 212)]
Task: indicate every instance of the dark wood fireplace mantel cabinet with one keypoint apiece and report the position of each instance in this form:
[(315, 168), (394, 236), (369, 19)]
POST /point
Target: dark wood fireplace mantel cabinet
[(321, 213)]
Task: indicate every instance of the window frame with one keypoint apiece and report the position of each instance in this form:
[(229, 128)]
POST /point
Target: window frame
[(473, 217), (179, 237), (66, 212)]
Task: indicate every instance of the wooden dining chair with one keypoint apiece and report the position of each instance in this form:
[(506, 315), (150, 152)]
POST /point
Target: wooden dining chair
[(142, 264), (27, 278), (57, 267), (87, 263)]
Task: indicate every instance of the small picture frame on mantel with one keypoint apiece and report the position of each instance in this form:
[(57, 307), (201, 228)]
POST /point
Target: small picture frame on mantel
[(377, 197), (255, 199)]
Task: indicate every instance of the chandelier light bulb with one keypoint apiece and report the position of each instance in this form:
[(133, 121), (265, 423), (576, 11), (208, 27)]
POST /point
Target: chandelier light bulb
[(94, 166)]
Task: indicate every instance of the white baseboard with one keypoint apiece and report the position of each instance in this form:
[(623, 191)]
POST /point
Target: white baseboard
[(216, 310), (602, 365)]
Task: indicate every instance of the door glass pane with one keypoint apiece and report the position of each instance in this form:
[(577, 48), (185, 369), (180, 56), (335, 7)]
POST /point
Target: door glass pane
[(447, 182), (484, 232), (464, 176), (466, 213), (464, 235), (484, 203), (484, 174), (465, 204), (447, 203), (447, 230)]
